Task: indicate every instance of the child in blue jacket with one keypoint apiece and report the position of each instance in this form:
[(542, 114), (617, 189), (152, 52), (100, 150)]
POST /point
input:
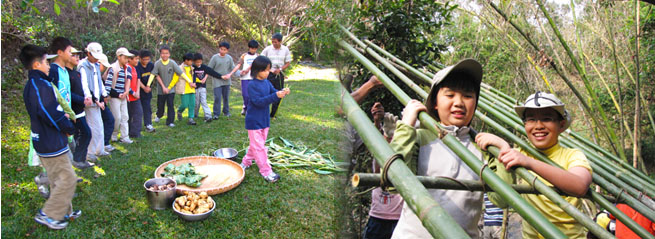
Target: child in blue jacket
[(50, 128)]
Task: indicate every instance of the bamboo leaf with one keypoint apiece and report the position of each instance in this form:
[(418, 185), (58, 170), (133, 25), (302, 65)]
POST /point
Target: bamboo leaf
[(114, 2)]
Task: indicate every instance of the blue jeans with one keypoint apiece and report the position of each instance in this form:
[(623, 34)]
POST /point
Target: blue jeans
[(221, 93), (108, 122), (83, 138)]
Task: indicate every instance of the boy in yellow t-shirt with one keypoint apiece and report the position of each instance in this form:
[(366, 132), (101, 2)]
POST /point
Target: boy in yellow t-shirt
[(545, 119), (185, 88)]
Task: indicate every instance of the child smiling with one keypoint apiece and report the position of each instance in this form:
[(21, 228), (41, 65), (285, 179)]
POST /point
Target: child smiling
[(452, 101), (545, 119)]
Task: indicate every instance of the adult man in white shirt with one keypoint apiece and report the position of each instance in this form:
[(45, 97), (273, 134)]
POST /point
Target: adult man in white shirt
[(280, 57)]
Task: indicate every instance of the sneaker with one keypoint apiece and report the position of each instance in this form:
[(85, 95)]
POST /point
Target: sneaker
[(243, 111), (228, 115), (179, 115), (191, 122), (243, 166), (44, 191), (208, 119), (215, 117), (82, 165), (103, 153), (109, 148), (127, 141), (150, 129), (114, 138), (49, 222), (171, 125), (92, 158), (74, 215), (42, 179), (156, 119), (272, 177)]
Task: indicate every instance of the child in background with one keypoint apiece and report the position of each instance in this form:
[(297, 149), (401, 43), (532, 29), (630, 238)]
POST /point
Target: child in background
[(262, 94), (201, 72), (78, 102), (143, 71), (164, 69), (545, 119), (452, 101), (117, 83), (62, 47), (224, 65), (186, 89), (134, 109), (244, 63), (92, 85), (50, 128)]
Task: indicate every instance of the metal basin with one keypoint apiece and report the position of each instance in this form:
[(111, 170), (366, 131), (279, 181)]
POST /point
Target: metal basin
[(226, 153), (194, 217), (160, 200)]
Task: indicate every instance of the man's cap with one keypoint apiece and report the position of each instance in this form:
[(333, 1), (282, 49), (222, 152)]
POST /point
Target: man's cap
[(542, 100), (103, 60), (75, 50), (96, 50), (50, 56), (123, 52), (468, 66)]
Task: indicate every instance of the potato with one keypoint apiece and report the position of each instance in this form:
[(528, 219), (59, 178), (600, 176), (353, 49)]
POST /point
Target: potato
[(177, 207), (193, 206), (186, 212), (202, 210), (203, 195)]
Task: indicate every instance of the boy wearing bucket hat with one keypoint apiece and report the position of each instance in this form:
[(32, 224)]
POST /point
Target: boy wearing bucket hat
[(545, 119), (452, 101)]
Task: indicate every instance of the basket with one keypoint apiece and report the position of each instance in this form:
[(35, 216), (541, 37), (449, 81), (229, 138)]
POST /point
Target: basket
[(222, 174)]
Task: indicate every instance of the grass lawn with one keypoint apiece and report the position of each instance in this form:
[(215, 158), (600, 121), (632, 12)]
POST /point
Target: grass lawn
[(302, 204)]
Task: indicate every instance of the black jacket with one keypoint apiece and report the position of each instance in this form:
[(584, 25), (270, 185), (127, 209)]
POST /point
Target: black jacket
[(77, 93)]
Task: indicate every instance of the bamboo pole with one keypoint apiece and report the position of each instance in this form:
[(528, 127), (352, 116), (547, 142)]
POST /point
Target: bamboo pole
[(622, 216), (522, 172), (583, 76), (365, 180), (610, 29), (436, 220), (609, 91), (635, 148), (606, 131), (529, 213)]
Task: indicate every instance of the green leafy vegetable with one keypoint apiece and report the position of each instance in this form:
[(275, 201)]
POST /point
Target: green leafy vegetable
[(183, 174)]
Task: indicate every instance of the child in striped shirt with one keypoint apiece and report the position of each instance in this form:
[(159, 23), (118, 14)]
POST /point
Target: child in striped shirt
[(117, 83)]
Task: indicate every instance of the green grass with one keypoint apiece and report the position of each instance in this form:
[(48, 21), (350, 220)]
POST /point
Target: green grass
[(301, 205)]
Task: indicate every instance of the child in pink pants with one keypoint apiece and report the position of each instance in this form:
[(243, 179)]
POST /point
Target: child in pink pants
[(262, 95)]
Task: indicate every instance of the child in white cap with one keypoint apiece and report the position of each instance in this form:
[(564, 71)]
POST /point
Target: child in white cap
[(117, 83), (545, 119)]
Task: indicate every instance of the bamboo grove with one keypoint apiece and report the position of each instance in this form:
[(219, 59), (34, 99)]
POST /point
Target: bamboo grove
[(612, 174)]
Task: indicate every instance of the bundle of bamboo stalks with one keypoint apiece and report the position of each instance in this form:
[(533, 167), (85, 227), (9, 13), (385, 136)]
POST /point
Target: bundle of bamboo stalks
[(611, 173)]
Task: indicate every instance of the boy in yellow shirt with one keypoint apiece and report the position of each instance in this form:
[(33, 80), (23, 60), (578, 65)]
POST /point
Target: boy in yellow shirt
[(186, 88), (544, 120)]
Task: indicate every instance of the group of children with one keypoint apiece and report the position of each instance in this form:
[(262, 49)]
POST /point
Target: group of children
[(77, 107), (452, 101)]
